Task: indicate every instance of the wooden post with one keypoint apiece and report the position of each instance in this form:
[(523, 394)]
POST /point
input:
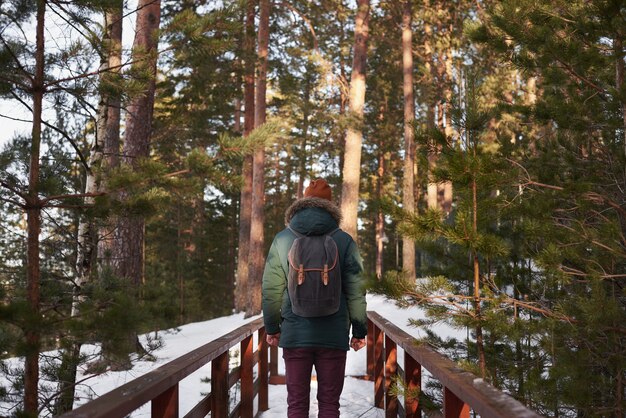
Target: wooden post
[(263, 371), (166, 404), (379, 370), (453, 407), (413, 381), (391, 367), (219, 386), (247, 378), (370, 349)]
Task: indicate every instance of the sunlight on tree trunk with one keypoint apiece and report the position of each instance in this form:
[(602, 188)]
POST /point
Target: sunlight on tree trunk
[(408, 199), (108, 130), (107, 134), (380, 217), (354, 137), (258, 179), (245, 202)]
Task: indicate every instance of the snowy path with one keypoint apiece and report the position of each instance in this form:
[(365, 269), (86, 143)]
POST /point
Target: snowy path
[(357, 400)]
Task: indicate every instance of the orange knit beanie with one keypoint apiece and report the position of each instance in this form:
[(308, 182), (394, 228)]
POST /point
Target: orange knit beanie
[(318, 188)]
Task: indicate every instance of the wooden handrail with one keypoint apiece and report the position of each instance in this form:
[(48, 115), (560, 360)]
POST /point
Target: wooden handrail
[(462, 390), (161, 385)]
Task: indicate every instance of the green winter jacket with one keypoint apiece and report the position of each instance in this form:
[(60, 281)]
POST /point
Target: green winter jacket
[(314, 216)]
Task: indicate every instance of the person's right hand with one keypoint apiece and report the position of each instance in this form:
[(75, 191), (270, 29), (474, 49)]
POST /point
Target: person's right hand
[(273, 339), (357, 343)]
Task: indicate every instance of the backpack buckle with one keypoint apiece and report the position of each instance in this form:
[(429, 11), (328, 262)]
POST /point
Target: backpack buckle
[(301, 274)]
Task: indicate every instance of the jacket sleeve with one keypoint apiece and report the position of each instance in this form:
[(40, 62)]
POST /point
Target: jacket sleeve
[(354, 288), (274, 282)]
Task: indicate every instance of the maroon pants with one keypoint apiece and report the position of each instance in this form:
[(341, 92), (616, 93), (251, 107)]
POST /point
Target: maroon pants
[(330, 367)]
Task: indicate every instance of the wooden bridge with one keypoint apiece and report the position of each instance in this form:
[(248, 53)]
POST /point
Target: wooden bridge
[(462, 391)]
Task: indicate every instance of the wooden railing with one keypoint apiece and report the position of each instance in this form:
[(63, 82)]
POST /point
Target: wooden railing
[(161, 385), (462, 390)]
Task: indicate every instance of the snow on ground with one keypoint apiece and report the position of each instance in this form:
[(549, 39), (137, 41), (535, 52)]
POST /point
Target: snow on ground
[(356, 401)]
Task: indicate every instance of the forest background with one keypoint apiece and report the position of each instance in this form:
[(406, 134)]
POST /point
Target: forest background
[(476, 149)]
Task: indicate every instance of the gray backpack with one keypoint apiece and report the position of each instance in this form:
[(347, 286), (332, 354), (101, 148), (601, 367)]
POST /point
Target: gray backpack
[(314, 278)]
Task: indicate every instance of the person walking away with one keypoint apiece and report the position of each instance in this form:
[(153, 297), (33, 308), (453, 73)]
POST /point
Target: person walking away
[(313, 292)]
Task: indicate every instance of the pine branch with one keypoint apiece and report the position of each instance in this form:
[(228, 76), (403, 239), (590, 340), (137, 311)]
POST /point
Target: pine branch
[(14, 190), (591, 196), (16, 59), (306, 20), (70, 196), (15, 119), (568, 68), (100, 71), (14, 202), (82, 158), (92, 34)]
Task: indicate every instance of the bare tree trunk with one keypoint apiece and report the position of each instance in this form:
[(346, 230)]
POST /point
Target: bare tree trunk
[(305, 134), (408, 199), (431, 188), (237, 125), (354, 137), (619, 76), (479, 329), (449, 130), (33, 219), (258, 178), (109, 128), (107, 134), (128, 248), (302, 168), (128, 245), (380, 217), (245, 202)]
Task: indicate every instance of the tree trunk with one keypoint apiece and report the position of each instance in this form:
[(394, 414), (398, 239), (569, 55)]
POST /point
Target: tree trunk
[(258, 170), (305, 134), (431, 188), (619, 77), (354, 137), (479, 329), (446, 205), (106, 139), (380, 217), (245, 202), (109, 128), (128, 246), (106, 142), (128, 249), (408, 199), (33, 219)]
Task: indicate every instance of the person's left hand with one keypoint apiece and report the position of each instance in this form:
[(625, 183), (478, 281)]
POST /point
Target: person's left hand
[(357, 343), (273, 339)]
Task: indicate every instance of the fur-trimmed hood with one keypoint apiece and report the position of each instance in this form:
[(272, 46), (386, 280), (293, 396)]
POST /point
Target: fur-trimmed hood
[(312, 202)]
